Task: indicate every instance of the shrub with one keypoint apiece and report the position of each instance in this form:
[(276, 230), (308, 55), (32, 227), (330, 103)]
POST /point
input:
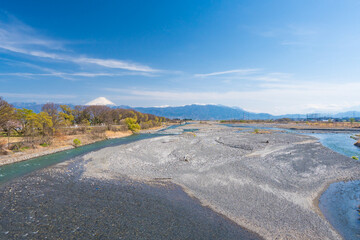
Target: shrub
[(44, 144), (355, 157), (256, 131), (24, 149), (76, 142), (132, 124)]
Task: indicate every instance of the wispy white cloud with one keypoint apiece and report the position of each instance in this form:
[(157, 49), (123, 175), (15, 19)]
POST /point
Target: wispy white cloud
[(48, 97), (112, 63), (291, 34), (248, 75), (14, 33), (66, 75), (237, 71), (19, 38)]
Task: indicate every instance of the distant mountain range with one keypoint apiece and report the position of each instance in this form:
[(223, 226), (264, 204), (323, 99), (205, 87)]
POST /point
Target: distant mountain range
[(207, 112), (204, 112)]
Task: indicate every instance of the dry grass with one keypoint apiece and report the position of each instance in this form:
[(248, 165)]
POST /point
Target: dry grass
[(333, 124), (111, 134)]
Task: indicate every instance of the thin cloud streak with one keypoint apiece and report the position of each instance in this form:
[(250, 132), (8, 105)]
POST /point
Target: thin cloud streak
[(108, 63), (238, 71), (48, 97), (77, 74), (19, 38)]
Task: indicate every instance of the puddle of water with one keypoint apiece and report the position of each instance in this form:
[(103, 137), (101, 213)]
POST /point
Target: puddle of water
[(191, 130), (340, 204)]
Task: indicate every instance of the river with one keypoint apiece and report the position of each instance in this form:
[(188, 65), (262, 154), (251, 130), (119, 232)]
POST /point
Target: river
[(339, 203)]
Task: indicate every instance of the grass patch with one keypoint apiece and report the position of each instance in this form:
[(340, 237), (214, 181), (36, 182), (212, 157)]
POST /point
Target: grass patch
[(258, 131), (22, 149)]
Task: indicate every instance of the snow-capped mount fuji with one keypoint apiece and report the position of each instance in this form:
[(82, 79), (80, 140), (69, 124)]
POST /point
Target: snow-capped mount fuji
[(100, 101)]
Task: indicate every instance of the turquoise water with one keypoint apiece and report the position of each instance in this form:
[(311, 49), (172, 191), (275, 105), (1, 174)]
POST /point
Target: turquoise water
[(338, 142), (18, 169), (340, 204), (341, 201), (191, 130)]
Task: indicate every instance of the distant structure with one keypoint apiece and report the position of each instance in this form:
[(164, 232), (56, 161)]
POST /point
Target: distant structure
[(102, 101)]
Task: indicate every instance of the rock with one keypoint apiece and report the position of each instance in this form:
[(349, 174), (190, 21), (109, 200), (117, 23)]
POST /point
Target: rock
[(357, 143)]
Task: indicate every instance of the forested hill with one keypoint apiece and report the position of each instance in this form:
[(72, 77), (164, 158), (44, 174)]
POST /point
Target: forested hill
[(194, 111)]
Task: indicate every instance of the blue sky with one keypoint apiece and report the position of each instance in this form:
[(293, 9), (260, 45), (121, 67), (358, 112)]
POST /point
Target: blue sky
[(265, 56)]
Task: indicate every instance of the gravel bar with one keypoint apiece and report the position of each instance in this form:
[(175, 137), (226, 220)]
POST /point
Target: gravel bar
[(268, 183)]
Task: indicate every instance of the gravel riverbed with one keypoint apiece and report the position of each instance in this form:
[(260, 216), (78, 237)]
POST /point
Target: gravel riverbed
[(57, 203), (268, 183)]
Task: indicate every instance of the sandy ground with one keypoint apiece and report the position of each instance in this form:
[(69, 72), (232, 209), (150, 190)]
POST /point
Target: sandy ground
[(268, 183)]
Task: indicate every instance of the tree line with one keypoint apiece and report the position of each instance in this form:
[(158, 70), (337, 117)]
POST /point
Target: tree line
[(55, 119)]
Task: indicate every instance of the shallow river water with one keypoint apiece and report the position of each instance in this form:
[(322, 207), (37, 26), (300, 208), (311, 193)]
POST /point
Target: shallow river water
[(340, 203), (14, 170)]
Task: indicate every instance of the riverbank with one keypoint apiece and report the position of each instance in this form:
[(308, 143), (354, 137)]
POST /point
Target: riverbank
[(306, 127), (65, 143), (59, 144), (267, 183)]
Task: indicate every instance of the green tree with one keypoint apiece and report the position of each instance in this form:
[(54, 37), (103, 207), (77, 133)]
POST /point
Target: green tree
[(52, 110), (67, 115), (44, 123), (132, 124), (25, 116), (7, 113), (352, 120)]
